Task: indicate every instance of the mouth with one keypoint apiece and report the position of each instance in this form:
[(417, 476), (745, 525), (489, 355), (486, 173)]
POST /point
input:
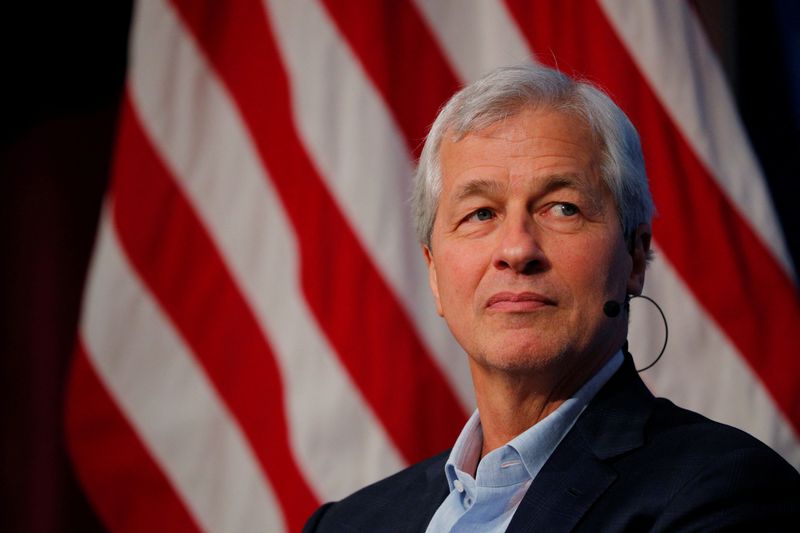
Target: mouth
[(518, 302)]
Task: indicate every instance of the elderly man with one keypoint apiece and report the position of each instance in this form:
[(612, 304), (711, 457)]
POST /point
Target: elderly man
[(533, 212)]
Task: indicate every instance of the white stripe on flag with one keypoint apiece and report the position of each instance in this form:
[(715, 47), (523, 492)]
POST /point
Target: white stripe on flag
[(214, 161), (476, 35), (670, 48), (364, 161), (700, 369), (169, 400)]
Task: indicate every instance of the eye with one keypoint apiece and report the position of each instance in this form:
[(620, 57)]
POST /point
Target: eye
[(481, 214), (565, 209)]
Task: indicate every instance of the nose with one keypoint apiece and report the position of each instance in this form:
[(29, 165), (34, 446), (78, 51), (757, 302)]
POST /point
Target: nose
[(518, 248)]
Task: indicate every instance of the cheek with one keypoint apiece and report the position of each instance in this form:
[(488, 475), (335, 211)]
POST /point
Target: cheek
[(459, 277), (591, 268)]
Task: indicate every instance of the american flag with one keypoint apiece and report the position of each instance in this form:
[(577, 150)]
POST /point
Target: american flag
[(257, 334)]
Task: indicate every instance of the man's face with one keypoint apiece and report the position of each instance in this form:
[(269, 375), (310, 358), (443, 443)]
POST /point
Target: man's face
[(527, 246)]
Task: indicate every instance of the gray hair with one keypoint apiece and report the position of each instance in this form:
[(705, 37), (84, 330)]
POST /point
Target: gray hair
[(506, 92)]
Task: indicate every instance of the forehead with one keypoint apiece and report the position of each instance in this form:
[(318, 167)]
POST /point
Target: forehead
[(531, 143)]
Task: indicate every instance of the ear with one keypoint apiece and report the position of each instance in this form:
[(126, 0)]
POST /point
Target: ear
[(432, 280), (640, 250)]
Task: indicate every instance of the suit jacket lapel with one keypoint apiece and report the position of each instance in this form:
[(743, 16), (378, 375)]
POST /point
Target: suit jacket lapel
[(577, 473), (436, 491), (420, 500)]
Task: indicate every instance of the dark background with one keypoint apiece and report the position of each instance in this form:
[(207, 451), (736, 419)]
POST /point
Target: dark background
[(63, 71)]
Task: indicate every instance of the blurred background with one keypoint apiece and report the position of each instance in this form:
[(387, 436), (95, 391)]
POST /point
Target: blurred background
[(63, 76)]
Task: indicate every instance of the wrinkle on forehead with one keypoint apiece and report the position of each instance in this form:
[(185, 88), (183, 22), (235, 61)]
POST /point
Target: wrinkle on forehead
[(533, 154), (555, 147), (520, 137)]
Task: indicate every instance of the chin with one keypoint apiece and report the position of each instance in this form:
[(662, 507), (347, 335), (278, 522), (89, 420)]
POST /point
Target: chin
[(523, 358)]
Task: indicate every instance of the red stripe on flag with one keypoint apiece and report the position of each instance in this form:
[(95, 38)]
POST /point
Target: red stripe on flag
[(170, 248), (713, 248), (398, 52), (358, 312), (126, 487)]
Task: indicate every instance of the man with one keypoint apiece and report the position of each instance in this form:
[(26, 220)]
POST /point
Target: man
[(534, 212)]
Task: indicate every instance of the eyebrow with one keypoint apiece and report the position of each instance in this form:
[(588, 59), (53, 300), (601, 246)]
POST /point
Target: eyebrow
[(575, 182), (564, 181), (479, 187)]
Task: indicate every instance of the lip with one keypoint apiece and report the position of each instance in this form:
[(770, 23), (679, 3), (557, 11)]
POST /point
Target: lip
[(518, 301)]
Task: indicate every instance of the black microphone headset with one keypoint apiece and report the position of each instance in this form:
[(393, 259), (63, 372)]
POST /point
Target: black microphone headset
[(612, 309)]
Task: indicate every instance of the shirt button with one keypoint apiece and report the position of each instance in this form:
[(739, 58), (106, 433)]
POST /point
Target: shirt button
[(458, 485)]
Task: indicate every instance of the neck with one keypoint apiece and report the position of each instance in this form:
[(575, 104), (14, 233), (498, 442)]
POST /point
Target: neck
[(510, 402)]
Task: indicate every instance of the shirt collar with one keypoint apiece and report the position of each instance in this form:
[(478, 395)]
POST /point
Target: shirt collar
[(532, 447)]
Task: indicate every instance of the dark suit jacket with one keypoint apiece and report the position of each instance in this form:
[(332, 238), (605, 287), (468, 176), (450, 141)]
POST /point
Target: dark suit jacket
[(631, 462)]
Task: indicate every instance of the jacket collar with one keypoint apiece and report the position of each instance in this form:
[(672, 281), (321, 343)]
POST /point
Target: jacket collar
[(577, 473)]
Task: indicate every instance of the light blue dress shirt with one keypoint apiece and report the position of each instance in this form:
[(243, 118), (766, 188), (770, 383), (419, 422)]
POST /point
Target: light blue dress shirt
[(486, 503)]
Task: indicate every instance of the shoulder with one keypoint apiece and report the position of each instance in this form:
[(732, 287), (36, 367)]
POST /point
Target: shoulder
[(688, 437), (404, 498), (626, 420), (672, 469), (732, 480), (414, 478), (694, 473)]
